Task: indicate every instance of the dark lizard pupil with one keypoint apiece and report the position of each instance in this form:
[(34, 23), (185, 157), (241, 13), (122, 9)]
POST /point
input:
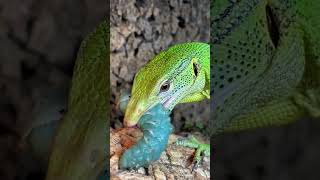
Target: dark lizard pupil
[(195, 69), (272, 26), (165, 87)]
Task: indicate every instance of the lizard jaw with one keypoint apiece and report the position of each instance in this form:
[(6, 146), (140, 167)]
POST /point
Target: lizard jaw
[(134, 119), (167, 102)]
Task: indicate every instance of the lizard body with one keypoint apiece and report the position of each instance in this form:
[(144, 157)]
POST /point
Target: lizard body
[(80, 144), (180, 74), (265, 66)]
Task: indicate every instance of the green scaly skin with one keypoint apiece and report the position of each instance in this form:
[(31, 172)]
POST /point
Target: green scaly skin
[(266, 63), (180, 74), (79, 149)]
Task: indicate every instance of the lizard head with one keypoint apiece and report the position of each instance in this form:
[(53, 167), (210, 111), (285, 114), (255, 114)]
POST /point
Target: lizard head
[(168, 78)]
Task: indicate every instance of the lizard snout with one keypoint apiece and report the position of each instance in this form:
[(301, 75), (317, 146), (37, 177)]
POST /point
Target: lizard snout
[(132, 115), (129, 123)]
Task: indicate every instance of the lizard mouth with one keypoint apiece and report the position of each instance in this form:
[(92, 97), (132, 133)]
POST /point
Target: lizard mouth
[(133, 121)]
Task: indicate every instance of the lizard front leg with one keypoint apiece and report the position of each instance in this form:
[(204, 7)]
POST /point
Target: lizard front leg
[(201, 148), (192, 142)]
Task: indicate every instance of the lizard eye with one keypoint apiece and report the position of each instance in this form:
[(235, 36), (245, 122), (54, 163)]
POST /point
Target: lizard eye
[(272, 26), (165, 87), (195, 69)]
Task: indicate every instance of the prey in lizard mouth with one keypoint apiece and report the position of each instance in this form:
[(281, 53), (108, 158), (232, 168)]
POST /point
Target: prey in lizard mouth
[(174, 76), (141, 110)]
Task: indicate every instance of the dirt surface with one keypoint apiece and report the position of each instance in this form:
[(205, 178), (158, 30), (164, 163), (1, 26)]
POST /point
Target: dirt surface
[(38, 45)]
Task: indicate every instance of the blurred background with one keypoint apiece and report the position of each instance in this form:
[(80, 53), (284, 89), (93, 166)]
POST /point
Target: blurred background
[(39, 41), (289, 152), (276, 153)]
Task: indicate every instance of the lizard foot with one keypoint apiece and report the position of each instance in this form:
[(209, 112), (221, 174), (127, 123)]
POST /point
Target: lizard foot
[(202, 149)]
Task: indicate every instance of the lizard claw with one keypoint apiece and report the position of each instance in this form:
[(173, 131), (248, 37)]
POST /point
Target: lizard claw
[(196, 163)]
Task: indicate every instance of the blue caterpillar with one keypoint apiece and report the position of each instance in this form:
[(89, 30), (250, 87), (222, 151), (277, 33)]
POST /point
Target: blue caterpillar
[(156, 127)]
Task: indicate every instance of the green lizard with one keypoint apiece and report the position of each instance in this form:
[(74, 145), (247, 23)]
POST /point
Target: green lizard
[(180, 74), (80, 145), (266, 63), (265, 68)]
